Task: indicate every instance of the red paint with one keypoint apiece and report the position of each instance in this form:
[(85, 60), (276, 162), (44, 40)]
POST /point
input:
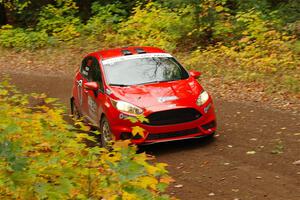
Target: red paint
[(91, 86), (195, 74)]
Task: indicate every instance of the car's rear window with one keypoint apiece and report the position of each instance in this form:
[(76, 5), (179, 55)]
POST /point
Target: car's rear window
[(137, 70)]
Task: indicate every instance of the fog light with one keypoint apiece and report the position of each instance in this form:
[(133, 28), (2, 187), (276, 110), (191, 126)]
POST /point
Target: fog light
[(209, 125)]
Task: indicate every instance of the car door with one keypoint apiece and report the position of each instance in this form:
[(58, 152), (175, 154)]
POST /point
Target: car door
[(82, 78), (94, 98)]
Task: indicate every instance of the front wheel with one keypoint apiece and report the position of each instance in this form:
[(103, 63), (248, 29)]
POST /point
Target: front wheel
[(106, 134), (74, 111)]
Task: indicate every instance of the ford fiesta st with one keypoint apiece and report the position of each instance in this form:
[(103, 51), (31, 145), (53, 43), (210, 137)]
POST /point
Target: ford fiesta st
[(112, 85)]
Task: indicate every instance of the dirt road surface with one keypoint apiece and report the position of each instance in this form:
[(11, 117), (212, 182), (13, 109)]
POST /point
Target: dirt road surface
[(252, 157)]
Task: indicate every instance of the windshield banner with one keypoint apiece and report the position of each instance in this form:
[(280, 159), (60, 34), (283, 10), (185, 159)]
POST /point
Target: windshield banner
[(136, 56)]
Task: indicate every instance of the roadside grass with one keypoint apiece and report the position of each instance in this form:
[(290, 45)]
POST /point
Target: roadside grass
[(278, 70)]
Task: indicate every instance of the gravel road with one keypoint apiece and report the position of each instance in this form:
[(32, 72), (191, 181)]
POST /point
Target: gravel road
[(252, 156)]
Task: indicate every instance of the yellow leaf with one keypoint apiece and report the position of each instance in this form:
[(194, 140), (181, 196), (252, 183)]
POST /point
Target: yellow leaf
[(219, 8), (50, 100), (3, 92), (83, 136), (122, 143), (151, 169), (142, 118), (141, 158), (132, 119), (137, 130), (128, 196), (148, 181), (82, 126), (161, 165)]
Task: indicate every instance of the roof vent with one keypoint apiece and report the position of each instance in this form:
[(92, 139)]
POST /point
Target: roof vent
[(126, 52), (140, 50)]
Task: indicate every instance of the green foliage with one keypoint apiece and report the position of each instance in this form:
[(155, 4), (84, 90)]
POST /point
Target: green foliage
[(17, 5), (268, 60), (153, 25), (105, 19), (19, 38), (41, 157), (60, 20)]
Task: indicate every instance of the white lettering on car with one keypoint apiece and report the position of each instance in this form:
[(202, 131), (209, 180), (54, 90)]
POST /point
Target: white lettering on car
[(111, 61), (85, 73), (168, 98), (79, 91)]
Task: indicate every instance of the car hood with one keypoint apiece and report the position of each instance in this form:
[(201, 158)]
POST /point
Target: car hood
[(175, 93)]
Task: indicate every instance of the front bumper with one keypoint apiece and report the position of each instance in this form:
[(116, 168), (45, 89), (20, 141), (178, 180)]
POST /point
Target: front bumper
[(204, 126)]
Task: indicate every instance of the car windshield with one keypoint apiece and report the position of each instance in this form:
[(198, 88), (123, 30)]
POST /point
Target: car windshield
[(143, 70)]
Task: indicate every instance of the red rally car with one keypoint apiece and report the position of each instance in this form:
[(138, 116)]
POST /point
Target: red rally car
[(114, 84)]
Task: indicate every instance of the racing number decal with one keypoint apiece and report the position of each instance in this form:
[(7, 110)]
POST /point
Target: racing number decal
[(79, 91)]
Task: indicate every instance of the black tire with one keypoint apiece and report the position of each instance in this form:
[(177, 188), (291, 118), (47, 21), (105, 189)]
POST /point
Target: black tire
[(74, 111), (106, 136)]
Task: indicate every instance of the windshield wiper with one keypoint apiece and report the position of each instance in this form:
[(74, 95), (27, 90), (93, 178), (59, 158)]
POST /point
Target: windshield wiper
[(119, 85)]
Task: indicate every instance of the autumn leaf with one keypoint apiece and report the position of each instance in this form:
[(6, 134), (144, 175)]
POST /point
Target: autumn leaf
[(142, 118), (166, 179), (50, 100), (148, 181), (132, 119), (137, 130), (219, 8), (121, 144)]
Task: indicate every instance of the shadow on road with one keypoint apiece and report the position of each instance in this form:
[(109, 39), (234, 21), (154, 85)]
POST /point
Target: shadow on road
[(176, 146)]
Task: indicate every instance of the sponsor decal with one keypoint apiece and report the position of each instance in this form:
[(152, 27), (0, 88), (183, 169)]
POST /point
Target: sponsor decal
[(92, 106), (79, 91), (85, 73), (111, 61), (168, 98)]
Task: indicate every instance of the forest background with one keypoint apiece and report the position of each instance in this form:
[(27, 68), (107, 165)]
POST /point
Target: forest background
[(237, 40)]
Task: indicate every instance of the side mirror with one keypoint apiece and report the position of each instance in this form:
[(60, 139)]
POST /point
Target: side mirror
[(195, 74), (91, 86)]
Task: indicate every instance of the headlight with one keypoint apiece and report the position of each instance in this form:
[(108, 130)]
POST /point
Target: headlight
[(203, 97), (126, 107)]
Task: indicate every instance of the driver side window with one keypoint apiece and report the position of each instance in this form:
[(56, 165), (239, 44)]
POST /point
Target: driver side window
[(90, 70)]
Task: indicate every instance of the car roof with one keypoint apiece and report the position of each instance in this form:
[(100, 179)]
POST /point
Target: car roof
[(117, 52)]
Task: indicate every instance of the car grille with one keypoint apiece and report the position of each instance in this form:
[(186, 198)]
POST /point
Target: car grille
[(175, 116), (157, 136)]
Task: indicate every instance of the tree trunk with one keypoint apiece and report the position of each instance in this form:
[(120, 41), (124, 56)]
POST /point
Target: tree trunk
[(9, 16), (84, 9), (2, 15)]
